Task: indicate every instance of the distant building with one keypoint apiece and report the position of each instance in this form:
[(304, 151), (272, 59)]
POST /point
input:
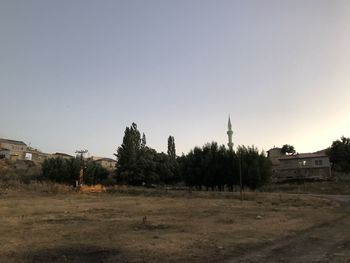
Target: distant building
[(309, 166), (107, 163), (35, 155), (13, 150), (274, 154), (62, 155), (4, 153)]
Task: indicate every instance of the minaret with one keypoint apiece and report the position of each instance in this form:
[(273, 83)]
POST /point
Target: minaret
[(229, 133)]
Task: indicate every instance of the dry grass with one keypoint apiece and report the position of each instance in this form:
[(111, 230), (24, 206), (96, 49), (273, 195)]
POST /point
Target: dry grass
[(148, 226), (327, 187)]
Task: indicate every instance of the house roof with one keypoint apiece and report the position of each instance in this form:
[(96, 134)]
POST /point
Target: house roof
[(303, 156), (322, 151), (12, 142)]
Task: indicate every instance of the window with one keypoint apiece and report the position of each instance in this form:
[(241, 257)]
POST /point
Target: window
[(318, 162), (302, 163)]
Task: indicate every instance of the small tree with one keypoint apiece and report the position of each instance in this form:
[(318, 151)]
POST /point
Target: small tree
[(339, 154), (288, 149)]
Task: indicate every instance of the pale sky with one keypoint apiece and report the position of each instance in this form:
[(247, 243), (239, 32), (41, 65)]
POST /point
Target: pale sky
[(75, 73)]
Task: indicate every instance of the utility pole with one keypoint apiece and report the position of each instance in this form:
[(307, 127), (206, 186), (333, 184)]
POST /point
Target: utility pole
[(81, 174)]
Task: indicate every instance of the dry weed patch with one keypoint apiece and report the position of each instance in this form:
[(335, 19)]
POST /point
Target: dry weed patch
[(171, 226)]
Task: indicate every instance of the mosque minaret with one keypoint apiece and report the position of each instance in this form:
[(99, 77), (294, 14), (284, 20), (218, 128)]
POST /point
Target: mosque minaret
[(229, 133)]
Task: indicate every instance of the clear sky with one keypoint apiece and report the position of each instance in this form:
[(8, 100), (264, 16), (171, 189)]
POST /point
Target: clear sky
[(75, 73)]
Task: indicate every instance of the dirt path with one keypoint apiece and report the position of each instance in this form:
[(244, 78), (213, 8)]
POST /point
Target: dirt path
[(329, 242)]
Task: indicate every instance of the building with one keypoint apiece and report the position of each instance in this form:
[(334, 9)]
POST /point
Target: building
[(305, 166), (35, 155), (13, 150), (62, 155), (4, 153), (107, 163)]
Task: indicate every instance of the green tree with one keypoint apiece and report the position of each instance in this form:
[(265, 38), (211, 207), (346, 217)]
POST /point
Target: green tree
[(128, 151), (128, 154), (94, 173), (215, 167), (339, 154), (139, 164), (255, 166), (67, 171), (143, 141), (171, 147), (288, 149)]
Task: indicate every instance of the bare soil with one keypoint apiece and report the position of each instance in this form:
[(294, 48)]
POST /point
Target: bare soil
[(172, 227), (328, 242)]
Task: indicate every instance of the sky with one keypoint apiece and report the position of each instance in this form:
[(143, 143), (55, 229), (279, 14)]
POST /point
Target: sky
[(75, 73)]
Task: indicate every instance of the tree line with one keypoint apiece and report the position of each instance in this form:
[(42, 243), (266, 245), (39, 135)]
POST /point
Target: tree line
[(211, 166)]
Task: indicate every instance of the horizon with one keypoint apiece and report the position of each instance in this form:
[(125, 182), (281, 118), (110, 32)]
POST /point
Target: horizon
[(89, 154), (74, 75)]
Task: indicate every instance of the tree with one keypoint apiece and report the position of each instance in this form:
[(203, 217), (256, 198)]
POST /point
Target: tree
[(339, 154), (139, 164), (215, 167), (171, 147), (143, 141), (94, 173), (128, 154), (255, 166), (67, 171), (288, 149)]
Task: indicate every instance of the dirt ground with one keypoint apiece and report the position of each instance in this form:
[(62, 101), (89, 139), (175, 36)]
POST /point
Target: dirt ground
[(174, 227), (328, 242)]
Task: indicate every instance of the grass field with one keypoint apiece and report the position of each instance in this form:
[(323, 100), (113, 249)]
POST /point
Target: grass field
[(150, 225)]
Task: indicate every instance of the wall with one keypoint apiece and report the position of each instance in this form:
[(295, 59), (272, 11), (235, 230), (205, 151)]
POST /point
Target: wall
[(296, 163), (16, 151)]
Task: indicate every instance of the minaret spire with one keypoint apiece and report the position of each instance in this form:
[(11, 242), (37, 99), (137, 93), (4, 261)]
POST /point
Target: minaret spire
[(229, 133)]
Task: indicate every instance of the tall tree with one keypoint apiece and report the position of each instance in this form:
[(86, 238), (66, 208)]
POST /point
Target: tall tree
[(171, 147), (143, 140), (128, 153), (138, 164)]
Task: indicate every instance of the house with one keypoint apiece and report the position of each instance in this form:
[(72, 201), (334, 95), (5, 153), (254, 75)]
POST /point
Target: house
[(62, 155), (305, 166), (35, 155), (107, 163), (4, 153), (13, 150)]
